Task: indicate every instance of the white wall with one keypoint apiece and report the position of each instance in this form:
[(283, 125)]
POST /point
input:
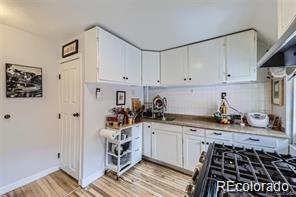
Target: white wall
[(205, 100), (29, 141), (95, 111)]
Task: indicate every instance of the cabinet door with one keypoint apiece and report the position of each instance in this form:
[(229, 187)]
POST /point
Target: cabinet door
[(286, 14), (207, 62), (241, 57), (217, 141), (150, 68), (111, 57), (167, 147), (132, 64), (173, 66), (192, 149), (147, 132)]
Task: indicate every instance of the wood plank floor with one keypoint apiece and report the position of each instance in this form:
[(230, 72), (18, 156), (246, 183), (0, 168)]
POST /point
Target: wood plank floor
[(145, 179)]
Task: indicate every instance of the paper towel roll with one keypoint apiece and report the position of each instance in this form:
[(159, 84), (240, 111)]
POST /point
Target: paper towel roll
[(108, 133)]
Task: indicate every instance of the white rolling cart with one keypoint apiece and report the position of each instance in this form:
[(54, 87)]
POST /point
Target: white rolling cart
[(125, 150)]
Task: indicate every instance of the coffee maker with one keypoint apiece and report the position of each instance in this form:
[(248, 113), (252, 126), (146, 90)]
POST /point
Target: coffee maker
[(159, 106)]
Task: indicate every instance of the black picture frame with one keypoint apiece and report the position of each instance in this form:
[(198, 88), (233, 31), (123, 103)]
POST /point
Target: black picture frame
[(120, 97), (73, 44), (23, 81)]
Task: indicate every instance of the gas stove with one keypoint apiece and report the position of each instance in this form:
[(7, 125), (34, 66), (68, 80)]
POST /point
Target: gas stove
[(233, 171)]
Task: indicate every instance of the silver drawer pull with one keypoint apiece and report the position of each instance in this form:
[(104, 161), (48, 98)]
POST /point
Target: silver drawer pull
[(216, 133), (192, 129), (253, 139), (137, 138), (137, 150)]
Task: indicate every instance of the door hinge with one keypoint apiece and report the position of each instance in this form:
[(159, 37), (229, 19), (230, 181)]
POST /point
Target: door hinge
[(60, 76), (59, 155), (59, 116)]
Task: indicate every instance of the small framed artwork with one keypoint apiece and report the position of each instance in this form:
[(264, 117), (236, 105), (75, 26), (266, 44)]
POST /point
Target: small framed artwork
[(70, 49), (23, 81), (120, 97), (277, 91)]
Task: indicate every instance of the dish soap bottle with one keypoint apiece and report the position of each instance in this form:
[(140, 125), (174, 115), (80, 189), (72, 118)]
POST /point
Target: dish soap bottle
[(223, 107)]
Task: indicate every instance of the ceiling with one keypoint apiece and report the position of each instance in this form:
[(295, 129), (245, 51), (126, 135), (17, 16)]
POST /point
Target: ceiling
[(149, 24)]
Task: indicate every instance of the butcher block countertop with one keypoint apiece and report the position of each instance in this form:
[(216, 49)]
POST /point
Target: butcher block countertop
[(209, 123)]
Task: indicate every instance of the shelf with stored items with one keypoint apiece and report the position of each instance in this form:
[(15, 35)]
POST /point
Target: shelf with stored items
[(124, 151)]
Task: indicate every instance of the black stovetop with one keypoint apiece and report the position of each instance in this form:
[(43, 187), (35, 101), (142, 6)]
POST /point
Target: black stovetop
[(241, 165)]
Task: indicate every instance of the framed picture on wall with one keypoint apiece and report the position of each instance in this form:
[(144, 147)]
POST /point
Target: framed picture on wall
[(23, 81), (120, 97), (70, 49), (277, 91)]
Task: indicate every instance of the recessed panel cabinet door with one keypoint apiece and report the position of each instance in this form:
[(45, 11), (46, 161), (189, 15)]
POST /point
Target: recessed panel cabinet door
[(111, 57), (193, 146), (241, 57), (206, 62), (174, 66), (151, 68), (132, 62), (167, 147)]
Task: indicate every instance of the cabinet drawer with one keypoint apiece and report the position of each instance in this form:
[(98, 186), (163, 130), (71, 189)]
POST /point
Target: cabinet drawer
[(194, 131), (137, 143), (255, 140), (259, 148), (167, 127), (218, 135), (137, 131)]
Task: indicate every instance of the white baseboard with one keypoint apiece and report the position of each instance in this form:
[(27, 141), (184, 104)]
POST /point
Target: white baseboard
[(91, 178), (27, 180)]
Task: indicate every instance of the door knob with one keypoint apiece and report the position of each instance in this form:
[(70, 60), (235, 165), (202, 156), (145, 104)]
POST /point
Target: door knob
[(7, 116)]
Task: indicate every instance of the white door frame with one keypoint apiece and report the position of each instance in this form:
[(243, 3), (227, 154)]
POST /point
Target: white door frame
[(64, 60)]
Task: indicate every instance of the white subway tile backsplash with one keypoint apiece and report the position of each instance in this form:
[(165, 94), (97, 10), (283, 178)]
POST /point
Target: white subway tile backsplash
[(205, 100)]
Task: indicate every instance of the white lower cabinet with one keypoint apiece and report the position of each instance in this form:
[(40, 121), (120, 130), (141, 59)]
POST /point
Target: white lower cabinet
[(193, 146), (167, 147), (217, 141), (147, 132), (182, 146)]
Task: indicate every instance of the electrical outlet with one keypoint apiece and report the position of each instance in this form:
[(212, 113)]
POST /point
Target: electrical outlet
[(223, 95)]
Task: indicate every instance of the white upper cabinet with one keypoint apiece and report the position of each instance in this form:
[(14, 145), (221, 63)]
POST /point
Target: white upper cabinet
[(132, 62), (111, 56), (174, 66), (286, 14), (110, 59), (206, 62), (150, 68), (241, 56)]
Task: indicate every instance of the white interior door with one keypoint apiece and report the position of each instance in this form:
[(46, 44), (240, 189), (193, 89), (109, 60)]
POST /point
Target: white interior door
[(70, 116)]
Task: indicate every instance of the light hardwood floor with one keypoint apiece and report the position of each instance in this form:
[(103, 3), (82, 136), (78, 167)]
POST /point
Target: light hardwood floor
[(145, 179)]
